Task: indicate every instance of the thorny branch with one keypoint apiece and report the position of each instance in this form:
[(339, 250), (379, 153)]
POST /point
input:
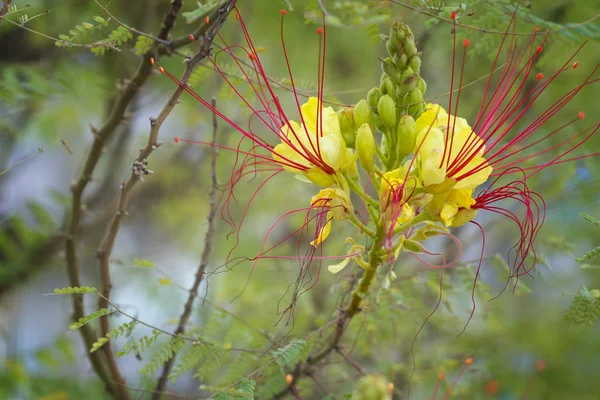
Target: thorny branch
[(139, 169), (114, 385)]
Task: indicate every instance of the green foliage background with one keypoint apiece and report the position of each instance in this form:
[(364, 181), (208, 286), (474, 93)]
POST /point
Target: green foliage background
[(51, 91)]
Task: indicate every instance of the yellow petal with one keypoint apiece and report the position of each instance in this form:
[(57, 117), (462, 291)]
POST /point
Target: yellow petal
[(448, 212), (335, 268), (318, 177), (323, 233)]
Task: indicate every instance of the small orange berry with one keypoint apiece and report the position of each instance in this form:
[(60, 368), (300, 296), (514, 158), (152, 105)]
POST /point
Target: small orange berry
[(492, 386)]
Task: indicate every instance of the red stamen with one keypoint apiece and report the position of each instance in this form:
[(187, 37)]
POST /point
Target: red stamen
[(453, 15), (176, 139), (575, 64), (492, 386), (161, 69), (536, 29), (467, 43), (540, 365), (192, 38), (581, 115), (206, 19), (320, 30), (151, 60), (539, 49), (539, 77), (283, 12)]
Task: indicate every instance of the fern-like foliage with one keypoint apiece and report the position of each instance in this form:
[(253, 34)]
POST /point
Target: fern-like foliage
[(294, 352), (143, 44), (585, 308), (88, 318), (244, 390), (191, 357), (138, 347), (167, 352), (76, 290), (123, 330), (590, 255), (80, 31), (116, 38)]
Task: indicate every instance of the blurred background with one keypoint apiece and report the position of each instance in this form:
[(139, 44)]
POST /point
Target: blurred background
[(538, 341)]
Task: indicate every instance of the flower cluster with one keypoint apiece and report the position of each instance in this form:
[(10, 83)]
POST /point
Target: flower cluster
[(423, 169)]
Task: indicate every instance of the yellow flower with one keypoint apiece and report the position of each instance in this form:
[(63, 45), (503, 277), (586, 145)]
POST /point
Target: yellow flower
[(393, 191), (457, 199), (318, 155), (339, 207), (432, 156)]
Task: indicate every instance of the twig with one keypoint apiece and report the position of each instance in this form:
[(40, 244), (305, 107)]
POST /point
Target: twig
[(139, 169), (101, 136), (40, 150), (208, 242)]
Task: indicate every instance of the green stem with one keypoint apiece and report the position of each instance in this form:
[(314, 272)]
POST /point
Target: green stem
[(368, 277), (358, 189), (356, 222)]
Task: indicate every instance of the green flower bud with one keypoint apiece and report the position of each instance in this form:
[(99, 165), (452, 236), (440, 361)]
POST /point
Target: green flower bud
[(409, 81), (415, 63), (391, 70), (347, 128), (391, 49), (422, 85), (401, 60), (365, 147), (373, 97), (414, 100), (387, 111), (377, 122), (362, 113), (407, 136), (371, 387), (410, 48), (387, 87), (595, 293)]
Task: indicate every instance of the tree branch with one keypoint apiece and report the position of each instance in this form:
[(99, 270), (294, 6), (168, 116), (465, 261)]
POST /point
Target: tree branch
[(139, 169), (116, 384)]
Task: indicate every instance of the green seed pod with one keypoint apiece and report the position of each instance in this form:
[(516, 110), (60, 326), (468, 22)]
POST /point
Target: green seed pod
[(387, 111), (391, 70), (407, 136), (362, 113), (373, 97), (422, 85), (387, 87), (415, 63), (347, 127), (365, 147)]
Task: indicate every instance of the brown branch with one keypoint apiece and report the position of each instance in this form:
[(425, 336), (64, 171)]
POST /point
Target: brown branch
[(208, 242), (114, 385), (139, 169)]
